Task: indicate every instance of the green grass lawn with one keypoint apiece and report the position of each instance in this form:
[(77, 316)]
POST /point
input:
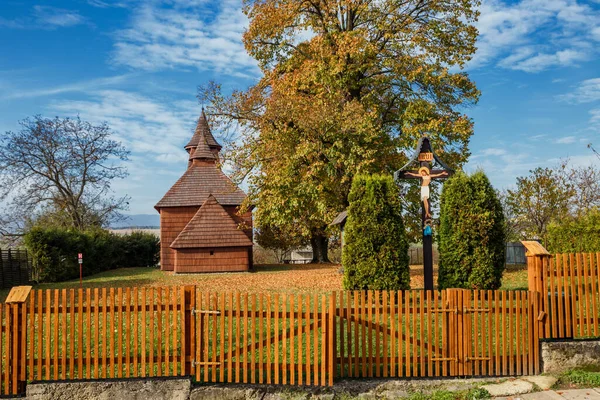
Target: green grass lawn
[(308, 278)]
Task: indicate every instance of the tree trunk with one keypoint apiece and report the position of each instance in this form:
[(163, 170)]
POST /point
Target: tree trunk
[(319, 243)]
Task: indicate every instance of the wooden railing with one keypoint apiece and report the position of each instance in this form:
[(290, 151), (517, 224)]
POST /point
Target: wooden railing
[(571, 284), (296, 339)]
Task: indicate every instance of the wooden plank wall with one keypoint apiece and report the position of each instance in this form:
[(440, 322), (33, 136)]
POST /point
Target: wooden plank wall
[(572, 281)]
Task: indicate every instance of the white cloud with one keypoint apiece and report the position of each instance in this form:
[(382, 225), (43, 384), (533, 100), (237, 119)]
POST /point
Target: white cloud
[(11, 93), (566, 140), (493, 152), (595, 116), (186, 34), (533, 35), (57, 17), (586, 92)]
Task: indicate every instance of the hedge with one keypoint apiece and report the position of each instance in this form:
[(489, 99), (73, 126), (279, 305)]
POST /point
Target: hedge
[(54, 252), (375, 253), (576, 235), (472, 234)]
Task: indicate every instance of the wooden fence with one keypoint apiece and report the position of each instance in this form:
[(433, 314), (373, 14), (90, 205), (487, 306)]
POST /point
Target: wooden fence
[(571, 282), (295, 339)]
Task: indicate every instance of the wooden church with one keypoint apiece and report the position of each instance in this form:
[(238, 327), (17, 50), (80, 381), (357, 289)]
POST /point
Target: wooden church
[(200, 227)]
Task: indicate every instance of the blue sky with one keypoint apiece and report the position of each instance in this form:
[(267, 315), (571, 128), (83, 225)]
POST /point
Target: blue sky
[(136, 65)]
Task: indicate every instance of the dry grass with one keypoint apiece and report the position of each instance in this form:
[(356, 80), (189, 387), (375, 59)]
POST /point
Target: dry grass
[(307, 278)]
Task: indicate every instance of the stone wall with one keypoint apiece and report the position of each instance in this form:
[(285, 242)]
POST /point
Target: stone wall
[(560, 356), (131, 389)]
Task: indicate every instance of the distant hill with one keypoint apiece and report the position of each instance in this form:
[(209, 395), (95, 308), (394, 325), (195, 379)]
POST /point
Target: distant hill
[(138, 220)]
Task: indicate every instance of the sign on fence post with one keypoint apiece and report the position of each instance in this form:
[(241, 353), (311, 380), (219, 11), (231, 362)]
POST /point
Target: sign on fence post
[(80, 259)]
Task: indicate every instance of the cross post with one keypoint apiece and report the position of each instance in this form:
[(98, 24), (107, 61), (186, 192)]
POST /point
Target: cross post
[(424, 155)]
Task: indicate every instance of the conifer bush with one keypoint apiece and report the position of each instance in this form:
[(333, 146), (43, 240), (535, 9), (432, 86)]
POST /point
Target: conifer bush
[(375, 253), (471, 235)]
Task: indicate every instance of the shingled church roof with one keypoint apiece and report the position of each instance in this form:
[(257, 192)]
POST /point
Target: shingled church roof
[(202, 178), (211, 227), (203, 130)]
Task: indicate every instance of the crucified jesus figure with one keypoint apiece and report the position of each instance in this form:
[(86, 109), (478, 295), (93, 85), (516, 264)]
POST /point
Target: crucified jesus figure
[(426, 177)]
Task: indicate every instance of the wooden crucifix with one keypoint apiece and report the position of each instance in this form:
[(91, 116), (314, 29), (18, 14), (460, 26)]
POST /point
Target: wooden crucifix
[(424, 155)]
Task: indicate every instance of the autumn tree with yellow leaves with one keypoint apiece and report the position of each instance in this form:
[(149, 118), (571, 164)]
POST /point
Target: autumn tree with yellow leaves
[(347, 87)]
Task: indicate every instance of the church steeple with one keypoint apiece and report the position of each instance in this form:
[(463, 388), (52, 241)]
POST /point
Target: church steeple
[(202, 152), (203, 131)]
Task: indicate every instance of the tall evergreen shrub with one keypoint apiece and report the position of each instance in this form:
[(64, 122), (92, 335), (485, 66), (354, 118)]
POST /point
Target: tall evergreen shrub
[(471, 235), (375, 254)]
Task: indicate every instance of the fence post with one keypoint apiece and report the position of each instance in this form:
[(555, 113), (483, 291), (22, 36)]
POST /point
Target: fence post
[(189, 301), (537, 262), (16, 344)]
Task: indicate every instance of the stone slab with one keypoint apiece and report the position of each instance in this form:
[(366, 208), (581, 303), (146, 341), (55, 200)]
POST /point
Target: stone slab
[(580, 394), (544, 382), (564, 355), (547, 395), (509, 388)]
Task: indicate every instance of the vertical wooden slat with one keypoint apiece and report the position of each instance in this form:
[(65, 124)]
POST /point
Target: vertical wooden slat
[(222, 308), (268, 334), (436, 338), (307, 379), (30, 334), (159, 331), (112, 332), (511, 314), (484, 332), (559, 295), (56, 344), (400, 347), (415, 348), (199, 336), (283, 365), (300, 302), (7, 349), (253, 340), (428, 308), (497, 328), (3, 349), (392, 334), (260, 341), (230, 337), (151, 329), (475, 335), (237, 337), (40, 334), (421, 333), (377, 300), (15, 347), (504, 335), (316, 340), (143, 324), (567, 295), (370, 333), (536, 332), (96, 311), (573, 295), (182, 332), (136, 338), (331, 338), (324, 327), (246, 316), (292, 341), (128, 333), (594, 290), (215, 344), (104, 333), (580, 293), (553, 314), (276, 338), (445, 332), (357, 314), (343, 340), (587, 293), (407, 337), (518, 332), (176, 328), (207, 347), (80, 360)]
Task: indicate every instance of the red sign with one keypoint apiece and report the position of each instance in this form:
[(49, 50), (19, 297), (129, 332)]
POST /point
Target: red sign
[(80, 256)]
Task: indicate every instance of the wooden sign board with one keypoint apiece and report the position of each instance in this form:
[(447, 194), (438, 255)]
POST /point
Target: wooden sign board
[(18, 294), (425, 157)]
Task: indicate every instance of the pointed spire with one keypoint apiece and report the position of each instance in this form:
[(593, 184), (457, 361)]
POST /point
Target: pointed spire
[(202, 151), (203, 130)]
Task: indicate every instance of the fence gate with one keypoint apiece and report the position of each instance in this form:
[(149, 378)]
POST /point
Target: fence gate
[(258, 338), (451, 332)]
